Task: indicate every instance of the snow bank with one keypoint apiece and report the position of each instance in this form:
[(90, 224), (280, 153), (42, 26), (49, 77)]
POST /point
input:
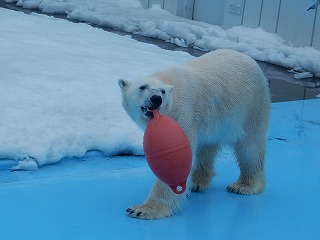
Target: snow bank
[(129, 15), (59, 95)]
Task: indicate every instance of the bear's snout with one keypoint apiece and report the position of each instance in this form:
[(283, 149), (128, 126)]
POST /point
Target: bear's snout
[(156, 101)]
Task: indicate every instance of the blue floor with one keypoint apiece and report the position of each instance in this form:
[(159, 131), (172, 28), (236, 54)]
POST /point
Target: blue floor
[(86, 198)]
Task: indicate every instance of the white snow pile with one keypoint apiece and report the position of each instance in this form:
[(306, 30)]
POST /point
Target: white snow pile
[(59, 95), (129, 15)]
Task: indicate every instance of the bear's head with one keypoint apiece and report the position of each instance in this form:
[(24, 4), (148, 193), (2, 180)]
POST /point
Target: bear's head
[(140, 97)]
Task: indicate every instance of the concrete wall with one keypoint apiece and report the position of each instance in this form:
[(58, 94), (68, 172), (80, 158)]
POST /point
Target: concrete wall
[(288, 18), (182, 8), (316, 35), (210, 11)]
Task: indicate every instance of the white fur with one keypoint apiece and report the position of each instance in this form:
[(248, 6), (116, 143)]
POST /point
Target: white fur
[(221, 98)]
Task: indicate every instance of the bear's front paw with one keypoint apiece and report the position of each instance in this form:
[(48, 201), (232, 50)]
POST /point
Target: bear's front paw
[(148, 211)]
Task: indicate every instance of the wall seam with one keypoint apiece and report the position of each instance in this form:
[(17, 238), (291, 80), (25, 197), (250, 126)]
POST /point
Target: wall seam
[(193, 3), (243, 8), (279, 9), (260, 13), (314, 25)]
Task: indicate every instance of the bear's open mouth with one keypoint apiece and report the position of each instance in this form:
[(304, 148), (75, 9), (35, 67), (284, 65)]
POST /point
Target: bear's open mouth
[(148, 112)]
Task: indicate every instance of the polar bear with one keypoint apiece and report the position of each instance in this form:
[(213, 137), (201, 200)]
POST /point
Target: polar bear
[(221, 98)]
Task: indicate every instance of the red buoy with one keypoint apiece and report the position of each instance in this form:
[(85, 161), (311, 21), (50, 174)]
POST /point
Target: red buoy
[(168, 151)]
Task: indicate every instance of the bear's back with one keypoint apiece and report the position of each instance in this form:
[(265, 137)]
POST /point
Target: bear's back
[(223, 61)]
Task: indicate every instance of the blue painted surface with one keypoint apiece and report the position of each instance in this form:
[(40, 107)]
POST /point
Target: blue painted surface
[(86, 198)]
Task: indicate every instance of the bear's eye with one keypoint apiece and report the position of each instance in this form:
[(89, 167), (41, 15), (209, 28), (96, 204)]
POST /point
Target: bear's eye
[(143, 87), (163, 91)]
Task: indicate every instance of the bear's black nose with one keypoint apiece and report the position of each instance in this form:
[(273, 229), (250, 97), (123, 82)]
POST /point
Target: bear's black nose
[(156, 101)]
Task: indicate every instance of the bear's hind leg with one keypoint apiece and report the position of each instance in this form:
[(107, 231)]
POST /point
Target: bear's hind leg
[(250, 156), (203, 169)]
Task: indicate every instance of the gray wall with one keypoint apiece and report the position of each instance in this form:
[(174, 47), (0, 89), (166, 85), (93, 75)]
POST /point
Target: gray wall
[(288, 18)]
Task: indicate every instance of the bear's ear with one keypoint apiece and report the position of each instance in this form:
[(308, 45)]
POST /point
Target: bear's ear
[(169, 88), (123, 84)]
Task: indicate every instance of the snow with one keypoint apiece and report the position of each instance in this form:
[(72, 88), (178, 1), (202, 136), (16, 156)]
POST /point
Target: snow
[(129, 15), (59, 91)]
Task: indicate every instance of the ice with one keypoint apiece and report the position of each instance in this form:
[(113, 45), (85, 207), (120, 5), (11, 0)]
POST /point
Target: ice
[(303, 75), (129, 15), (26, 164)]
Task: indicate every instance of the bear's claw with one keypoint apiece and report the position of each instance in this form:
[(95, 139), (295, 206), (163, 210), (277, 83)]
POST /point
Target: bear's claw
[(146, 211), (130, 211)]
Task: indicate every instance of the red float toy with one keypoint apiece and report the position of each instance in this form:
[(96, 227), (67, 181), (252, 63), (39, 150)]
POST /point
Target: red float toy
[(168, 152)]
